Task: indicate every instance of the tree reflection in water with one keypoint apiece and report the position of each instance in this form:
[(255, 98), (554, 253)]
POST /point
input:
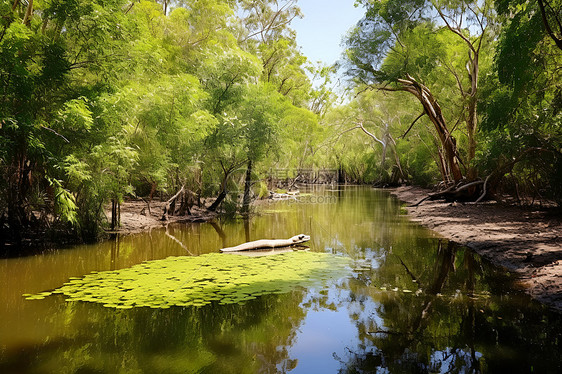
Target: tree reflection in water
[(452, 323)]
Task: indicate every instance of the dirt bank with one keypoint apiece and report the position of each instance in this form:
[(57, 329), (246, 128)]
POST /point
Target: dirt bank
[(524, 240), (135, 216)]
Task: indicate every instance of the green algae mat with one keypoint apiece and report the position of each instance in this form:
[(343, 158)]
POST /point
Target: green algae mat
[(198, 281)]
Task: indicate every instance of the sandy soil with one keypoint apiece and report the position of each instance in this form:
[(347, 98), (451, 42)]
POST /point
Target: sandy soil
[(136, 218), (523, 240)]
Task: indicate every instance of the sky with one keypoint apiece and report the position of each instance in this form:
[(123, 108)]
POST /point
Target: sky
[(325, 22)]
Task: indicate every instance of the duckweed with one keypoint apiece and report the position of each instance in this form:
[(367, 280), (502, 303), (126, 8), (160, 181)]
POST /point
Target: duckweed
[(198, 281)]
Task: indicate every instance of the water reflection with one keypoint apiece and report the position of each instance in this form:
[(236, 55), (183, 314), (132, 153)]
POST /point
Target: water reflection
[(459, 317), (415, 303), (217, 339)]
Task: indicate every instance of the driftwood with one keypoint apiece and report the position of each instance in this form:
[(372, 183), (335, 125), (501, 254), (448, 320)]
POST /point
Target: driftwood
[(478, 190), (454, 192), (268, 243)]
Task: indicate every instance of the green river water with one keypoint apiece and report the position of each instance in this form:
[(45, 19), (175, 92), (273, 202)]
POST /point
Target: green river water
[(408, 302)]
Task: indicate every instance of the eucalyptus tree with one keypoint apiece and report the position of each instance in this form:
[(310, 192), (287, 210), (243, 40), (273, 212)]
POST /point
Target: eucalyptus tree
[(410, 46), (226, 74), (322, 95), (261, 111), (265, 31), (367, 131)]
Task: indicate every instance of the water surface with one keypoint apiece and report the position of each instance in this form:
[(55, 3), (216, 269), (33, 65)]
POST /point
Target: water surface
[(413, 303)]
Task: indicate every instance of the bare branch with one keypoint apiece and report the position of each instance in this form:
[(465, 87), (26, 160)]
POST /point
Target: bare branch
[(452, 29), (360, 125), (56, 133), (457, 78), (412, 125)]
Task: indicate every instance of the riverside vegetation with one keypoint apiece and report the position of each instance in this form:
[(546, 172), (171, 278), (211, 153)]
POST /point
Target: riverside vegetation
[(193, 99)]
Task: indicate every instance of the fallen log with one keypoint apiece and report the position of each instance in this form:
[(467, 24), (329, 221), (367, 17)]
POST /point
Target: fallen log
[(268, 243), (455, 193)]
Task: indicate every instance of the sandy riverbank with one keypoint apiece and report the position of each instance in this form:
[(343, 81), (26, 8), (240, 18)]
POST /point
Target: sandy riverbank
[(523, 240), (135, 216)]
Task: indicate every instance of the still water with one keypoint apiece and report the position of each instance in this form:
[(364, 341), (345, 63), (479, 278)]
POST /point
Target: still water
[(413, 303)]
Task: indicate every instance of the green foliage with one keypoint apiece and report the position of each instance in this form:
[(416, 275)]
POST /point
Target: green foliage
[(75, 116), (521, 116), (103, 99), (100, 97), (65, 203)]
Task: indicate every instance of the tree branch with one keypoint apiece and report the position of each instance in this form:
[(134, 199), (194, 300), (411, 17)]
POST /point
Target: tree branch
[(56, 133), (360, 125), (412, 125), (549, 31), (452, 29)]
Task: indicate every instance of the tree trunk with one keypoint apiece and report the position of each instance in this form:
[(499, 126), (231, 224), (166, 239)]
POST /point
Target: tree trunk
[(471, 125), (396, 159), (223, 192), (28, 13), (433, 111), (247, 190), (217, 201), (170, 206), (472, 119), (383, 157), (221, 195), (186, 202)]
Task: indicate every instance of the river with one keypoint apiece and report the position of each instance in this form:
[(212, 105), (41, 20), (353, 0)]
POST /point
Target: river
[(410, 302)]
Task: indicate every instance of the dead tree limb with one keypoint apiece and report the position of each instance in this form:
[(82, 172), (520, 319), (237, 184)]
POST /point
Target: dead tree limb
[(484, 192), (433, 196), (169, 204), (147, 202)]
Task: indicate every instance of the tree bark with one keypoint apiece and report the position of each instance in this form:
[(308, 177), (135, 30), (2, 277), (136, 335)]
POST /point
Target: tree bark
[(383, 155), (170, 207), (433, 111), (28, 13), (218, 200), (472, 118)]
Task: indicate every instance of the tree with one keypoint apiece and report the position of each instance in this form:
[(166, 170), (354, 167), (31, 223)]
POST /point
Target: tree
[(521, 106), (266, 33), (552, 19), (397, 47), (53, 53), (102, 100), (246, 137)]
